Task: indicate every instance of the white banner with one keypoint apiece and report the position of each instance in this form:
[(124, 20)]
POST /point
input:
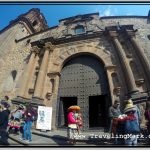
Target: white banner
[(44, 119)]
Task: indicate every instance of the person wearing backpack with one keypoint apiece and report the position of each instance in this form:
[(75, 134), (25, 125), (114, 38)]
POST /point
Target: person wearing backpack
[(29, 117)]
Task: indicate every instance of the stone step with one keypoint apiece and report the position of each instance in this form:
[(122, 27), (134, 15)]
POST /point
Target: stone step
[(16, 139), (54, 138)]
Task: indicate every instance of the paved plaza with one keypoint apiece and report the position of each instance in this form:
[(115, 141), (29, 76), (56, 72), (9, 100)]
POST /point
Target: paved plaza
[(59, 138)]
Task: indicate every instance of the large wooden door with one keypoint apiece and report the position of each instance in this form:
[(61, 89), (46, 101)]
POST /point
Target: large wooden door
[(82, 77)]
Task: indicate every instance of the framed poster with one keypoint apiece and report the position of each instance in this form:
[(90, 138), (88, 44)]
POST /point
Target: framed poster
[(44, 118)]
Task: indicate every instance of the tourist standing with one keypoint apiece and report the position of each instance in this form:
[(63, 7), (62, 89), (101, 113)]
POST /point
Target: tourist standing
[(114, 111), (4, 116), (7, 100), (15, 120), (28, 119)]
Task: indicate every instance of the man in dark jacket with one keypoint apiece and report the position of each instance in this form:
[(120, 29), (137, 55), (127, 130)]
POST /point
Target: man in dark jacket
[(4, 116), (114, 111)]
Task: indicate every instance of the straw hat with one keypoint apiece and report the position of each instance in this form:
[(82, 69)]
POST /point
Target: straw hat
[(77, 108), (129, 101), (129, 106), (71, 108)]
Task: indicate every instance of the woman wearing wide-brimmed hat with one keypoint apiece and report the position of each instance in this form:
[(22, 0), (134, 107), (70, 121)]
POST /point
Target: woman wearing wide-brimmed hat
[(72, 124)]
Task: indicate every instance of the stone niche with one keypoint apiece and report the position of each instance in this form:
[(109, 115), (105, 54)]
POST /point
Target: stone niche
[(117, 87)]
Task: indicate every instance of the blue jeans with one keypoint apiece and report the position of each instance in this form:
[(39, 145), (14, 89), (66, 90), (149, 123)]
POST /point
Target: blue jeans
[(131, 141), (27, 131)]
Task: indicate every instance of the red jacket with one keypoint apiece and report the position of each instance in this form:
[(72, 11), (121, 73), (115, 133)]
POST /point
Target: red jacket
[(117, 120)]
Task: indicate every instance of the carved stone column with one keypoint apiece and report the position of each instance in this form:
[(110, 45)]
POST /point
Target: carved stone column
[(109, 70), (125, 64), (140, 53), (42, 72), (27, 73), (54, 102)]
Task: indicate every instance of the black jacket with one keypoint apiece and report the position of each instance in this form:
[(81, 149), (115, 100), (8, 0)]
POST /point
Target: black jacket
[(4, 116)]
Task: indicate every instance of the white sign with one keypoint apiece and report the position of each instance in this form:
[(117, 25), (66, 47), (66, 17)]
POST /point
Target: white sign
[(44, 119)]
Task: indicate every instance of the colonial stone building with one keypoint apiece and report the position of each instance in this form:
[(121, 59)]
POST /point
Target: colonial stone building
[(87, 60)]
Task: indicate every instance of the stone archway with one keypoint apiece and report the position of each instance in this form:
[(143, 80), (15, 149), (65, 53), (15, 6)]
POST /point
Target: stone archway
[(84, 82)]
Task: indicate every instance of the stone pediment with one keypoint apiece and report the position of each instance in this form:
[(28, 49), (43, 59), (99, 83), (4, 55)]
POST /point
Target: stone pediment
[(78, 18)]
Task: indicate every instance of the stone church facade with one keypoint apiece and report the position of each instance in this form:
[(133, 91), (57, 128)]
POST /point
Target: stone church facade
[(86, 60)]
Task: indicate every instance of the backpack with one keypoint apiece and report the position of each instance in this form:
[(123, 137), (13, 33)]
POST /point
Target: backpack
[(34, 118), (131, 127), (34, 115)]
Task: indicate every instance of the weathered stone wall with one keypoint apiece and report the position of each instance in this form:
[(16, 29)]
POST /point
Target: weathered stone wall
[(13, 57), (15, 54), (139, 23)]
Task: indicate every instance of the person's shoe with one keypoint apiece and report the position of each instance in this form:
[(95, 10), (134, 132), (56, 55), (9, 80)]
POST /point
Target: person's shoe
[(22, 139), (29, 141)]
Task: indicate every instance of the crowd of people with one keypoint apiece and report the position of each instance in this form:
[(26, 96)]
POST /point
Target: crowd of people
[(19, 120), (126, 126), (16, 120)]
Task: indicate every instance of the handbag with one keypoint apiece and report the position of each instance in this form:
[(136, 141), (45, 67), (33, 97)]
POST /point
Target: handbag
[(131, 127)]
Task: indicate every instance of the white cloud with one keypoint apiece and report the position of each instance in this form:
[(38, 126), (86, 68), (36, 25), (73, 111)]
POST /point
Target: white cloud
[(108, 11)]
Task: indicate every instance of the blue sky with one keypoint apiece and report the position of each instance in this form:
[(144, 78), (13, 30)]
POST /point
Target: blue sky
[(53, 13)]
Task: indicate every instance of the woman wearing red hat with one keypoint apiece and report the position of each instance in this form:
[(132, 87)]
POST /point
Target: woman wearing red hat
[(72, 125)]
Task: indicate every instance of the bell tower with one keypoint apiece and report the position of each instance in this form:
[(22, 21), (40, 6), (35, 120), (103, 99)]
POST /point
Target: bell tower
[(33, 19)]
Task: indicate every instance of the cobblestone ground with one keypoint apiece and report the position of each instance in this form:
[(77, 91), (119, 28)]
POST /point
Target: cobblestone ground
[(45, 141), (59, 139)]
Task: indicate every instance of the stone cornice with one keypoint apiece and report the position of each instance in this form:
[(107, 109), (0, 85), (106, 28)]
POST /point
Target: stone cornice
[(35, 49), (52, 74), (113, 34), (49, 46), (66, 39), (130, 33), (111, 67)]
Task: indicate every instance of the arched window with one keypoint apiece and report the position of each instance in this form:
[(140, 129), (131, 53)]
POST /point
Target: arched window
[(79, 29), (34, 23), (148, 37), (14, 73)]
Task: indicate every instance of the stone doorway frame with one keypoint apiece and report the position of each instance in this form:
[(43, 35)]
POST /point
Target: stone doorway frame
[(99, 53)]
